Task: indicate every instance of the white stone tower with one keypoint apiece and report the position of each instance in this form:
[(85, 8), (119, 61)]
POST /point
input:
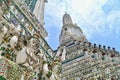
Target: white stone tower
[(70, 32), (82, 60), (37, 7), (39, 10)]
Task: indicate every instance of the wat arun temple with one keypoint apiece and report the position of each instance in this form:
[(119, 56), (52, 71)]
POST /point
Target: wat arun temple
[(26, 55)]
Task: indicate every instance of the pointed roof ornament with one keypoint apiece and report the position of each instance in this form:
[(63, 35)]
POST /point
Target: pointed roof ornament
[(45, 0), (76, 24), (67, 19), (65, 12)]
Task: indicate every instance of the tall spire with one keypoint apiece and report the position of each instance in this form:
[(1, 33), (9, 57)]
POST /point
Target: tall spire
[(70, 32)]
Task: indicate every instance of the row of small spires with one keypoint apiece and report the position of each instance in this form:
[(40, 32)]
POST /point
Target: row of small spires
[(91, 45), (99, 46)]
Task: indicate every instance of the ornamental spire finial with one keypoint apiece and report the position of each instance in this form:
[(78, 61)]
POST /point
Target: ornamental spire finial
[(67, 19)]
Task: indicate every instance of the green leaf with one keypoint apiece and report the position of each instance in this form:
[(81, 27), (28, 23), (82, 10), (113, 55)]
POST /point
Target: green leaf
[(9, 45), (40, 74), (2, 54), (103, 58), (2, 78), (2, 48), (49, 74)]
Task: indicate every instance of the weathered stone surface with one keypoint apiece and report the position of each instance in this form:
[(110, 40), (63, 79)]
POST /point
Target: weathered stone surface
[(70, 31), (83, 60)]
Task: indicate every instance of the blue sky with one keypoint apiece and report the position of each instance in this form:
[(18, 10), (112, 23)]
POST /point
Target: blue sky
[(98, 19)]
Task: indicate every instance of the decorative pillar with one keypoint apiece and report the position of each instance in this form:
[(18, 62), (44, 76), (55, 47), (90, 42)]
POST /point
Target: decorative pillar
[(39, 10)]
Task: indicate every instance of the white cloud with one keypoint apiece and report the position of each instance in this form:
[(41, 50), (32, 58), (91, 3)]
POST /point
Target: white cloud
[(87, 13), (112, 19)]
